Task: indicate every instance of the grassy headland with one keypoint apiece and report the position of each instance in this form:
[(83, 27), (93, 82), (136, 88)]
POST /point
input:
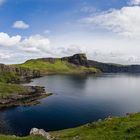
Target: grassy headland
[(58, 67)]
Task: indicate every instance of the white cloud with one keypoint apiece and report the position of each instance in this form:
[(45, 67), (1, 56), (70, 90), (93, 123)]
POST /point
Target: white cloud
[(101, 47), (6, 40), (36, 43), (2, 1), (125, 21), (20, 25), (134, 2), (30, 44)]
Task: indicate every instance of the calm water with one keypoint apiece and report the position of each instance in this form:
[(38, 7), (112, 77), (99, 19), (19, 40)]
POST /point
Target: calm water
[(76, 101)]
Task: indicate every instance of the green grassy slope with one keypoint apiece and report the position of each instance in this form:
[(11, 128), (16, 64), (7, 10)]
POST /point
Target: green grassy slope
[(7, 77), (2, 137), (7, 89), (57, 67), (123, 128)]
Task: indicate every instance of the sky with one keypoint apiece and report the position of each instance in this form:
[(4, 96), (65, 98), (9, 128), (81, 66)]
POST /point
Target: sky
[(106, 30)]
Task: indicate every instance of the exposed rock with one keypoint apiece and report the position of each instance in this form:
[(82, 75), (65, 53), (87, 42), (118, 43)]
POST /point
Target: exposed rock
[(41, 132), (114, 68), (21, 74), (31, 95), (77, 59)]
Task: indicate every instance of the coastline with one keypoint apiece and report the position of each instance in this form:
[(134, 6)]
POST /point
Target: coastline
[(31, 97)]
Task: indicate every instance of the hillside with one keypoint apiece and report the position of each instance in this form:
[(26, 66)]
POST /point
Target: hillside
[(123, 128), (68, 65)]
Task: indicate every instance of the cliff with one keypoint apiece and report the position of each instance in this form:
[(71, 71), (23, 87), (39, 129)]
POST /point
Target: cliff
[(15, 74), (114, 68)]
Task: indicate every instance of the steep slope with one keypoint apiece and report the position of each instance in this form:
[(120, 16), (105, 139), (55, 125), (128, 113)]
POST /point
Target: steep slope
[(14, 74)]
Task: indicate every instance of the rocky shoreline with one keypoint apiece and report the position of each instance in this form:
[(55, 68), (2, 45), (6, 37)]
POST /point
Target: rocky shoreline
[(31, 97)]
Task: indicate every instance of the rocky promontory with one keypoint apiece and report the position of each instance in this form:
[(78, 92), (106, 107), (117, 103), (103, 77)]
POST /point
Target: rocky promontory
[(29, 96)]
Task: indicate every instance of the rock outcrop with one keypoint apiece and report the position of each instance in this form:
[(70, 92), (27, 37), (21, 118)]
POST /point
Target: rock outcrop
[(114, 68), (23, 74), (28, 97), (77, 59), (41, 132)]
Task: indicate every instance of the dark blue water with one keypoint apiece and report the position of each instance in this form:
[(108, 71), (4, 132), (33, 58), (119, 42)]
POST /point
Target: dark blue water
[(76, 100)]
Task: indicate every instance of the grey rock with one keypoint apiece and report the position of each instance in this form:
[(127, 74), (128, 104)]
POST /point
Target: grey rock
[(41, 132)]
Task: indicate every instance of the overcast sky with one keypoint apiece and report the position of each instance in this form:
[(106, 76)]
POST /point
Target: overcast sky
[(106, 30)]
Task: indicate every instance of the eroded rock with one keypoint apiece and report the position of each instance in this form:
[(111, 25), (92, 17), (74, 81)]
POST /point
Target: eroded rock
[(41, 132)]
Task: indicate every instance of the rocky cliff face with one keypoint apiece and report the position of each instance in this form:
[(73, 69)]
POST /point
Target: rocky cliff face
[(28, 97), (23, 74), (77, 59), (114, 68)]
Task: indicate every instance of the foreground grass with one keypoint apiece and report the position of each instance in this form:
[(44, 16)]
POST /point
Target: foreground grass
[(124, 128), (7, 89), (118, 128), (2, 137), (57, 67)]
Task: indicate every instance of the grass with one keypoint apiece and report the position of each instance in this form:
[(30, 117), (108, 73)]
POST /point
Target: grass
[(7, 77), (2, 137), (57, 67), (7, 89), (123, 128), (117, 128)]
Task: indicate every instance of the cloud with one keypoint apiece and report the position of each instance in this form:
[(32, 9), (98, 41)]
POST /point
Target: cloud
[(36, 43), (125, 21), (6, 40), (2, 1), (20, 25), (134, 2)]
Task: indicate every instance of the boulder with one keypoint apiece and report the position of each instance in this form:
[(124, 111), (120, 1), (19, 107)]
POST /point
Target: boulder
[(41, 132)]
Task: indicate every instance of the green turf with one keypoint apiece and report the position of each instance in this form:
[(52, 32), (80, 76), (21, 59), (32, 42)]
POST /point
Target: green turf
[(7, 89), (2, 137), (124, 128), (8, 77)]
